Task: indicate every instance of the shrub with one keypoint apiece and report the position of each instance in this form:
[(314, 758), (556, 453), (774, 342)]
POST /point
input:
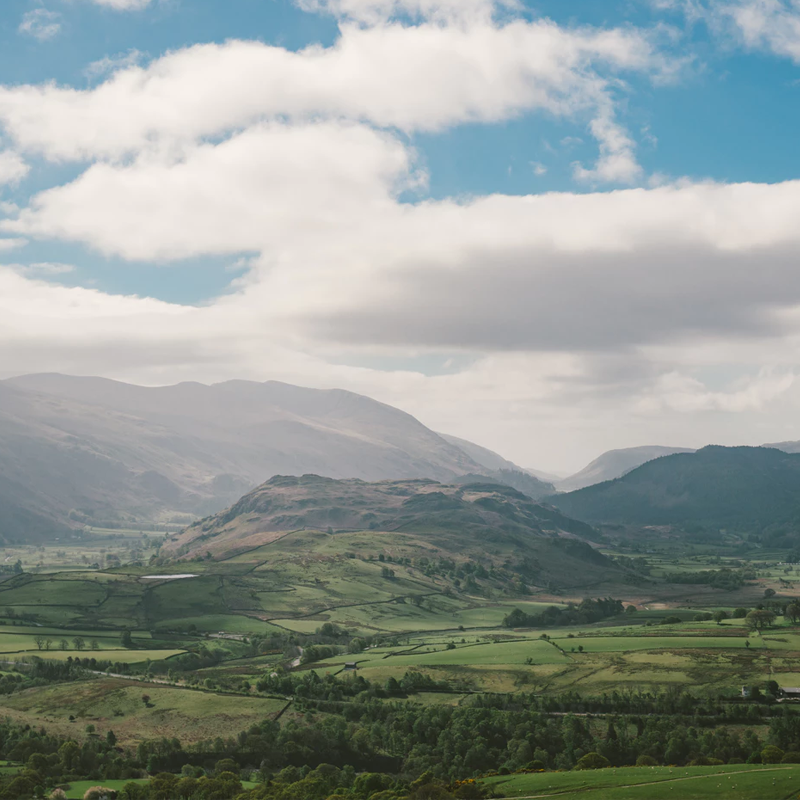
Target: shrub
[(646, 761), (792, 757), (592, 761), (771, 755)]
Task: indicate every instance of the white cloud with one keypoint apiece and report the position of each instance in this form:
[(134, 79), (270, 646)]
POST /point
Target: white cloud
[(42, 269), (41, 24), (11, 244), (108, 64), (261, 189), (12, 167), (123, 5), (764, 24), (372, 11), (427, 77)]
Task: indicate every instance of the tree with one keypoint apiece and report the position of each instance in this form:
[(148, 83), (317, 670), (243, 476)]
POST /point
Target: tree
[(739, 613), (39, 641), (126, 639), (792, 612), (78, 643), (63, 644), (94, 644), (146, 699), (111, 739), (769, 593), (760, 619), (719, 616)]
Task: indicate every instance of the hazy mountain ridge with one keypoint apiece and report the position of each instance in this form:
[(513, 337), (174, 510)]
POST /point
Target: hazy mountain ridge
[(614, 464), (742, 488), (95, 450)]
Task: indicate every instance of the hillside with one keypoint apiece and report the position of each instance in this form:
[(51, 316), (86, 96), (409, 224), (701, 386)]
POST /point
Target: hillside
[(615, 464), (96, 451), (485, 520), (741, 488)]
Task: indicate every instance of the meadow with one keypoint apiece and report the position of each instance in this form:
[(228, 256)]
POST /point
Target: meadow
[(116, 704), (732, 782)]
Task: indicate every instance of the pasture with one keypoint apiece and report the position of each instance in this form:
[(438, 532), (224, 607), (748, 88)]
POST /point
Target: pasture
[(116, 704), (730, 782)]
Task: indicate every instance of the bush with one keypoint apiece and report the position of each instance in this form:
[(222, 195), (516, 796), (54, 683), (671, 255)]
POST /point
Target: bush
[(754, 758), (792, 757), (771, 755), (736, 760), (646, 761), (593, 761), (739, 613), (670, 620)]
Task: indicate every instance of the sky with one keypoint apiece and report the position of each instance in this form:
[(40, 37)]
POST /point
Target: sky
[(552, 228)]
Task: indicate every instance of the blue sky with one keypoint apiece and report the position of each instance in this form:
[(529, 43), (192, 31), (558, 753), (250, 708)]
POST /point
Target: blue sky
[(580, 216)]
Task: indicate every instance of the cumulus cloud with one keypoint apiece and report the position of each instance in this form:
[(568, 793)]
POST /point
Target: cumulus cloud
[(560, 307), (426, 77), (41, 24), (12, 167)]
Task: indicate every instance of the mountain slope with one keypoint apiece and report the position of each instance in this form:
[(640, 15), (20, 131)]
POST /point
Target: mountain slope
[(501, 470), (743, 488), (101, 451), (488, 521), (615, 464)]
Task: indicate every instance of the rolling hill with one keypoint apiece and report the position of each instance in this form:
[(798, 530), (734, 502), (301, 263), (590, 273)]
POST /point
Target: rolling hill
[(94, 451), (615, 464), (490, 522), (740, 488)]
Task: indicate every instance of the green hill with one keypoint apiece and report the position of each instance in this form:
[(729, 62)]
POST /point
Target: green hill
[(739, 488), (486, 522)]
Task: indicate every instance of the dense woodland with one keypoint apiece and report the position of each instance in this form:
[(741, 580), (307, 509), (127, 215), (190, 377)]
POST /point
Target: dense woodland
[(355, 739)]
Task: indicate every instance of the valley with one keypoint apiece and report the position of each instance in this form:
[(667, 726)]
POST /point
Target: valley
[(306, 632)]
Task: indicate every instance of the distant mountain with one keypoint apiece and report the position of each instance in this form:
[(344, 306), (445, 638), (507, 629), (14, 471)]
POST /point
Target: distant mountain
[(482, 455), (741, 488), (90, 450), (615, 464), (500, 469), (546, 477), (786, 447), (487, 520)]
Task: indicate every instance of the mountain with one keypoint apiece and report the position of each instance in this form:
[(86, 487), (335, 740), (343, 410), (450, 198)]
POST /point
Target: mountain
[(90, 450), (787, 447), (491, 521), (615, 464), (500, 470), (741, 488)]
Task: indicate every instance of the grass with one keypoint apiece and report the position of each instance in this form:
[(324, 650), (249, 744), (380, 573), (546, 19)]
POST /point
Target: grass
[(739, 782), (116, 704), (122, 656)]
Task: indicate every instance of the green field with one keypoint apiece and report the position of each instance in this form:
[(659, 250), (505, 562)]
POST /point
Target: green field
[(740, 782), (116, 704)]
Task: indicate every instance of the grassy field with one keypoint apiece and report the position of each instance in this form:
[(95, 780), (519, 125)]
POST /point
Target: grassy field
[(116, 704), (740, 782)]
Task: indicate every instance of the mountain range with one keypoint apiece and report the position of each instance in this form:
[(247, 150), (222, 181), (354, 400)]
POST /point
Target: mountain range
[(77, 451)]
